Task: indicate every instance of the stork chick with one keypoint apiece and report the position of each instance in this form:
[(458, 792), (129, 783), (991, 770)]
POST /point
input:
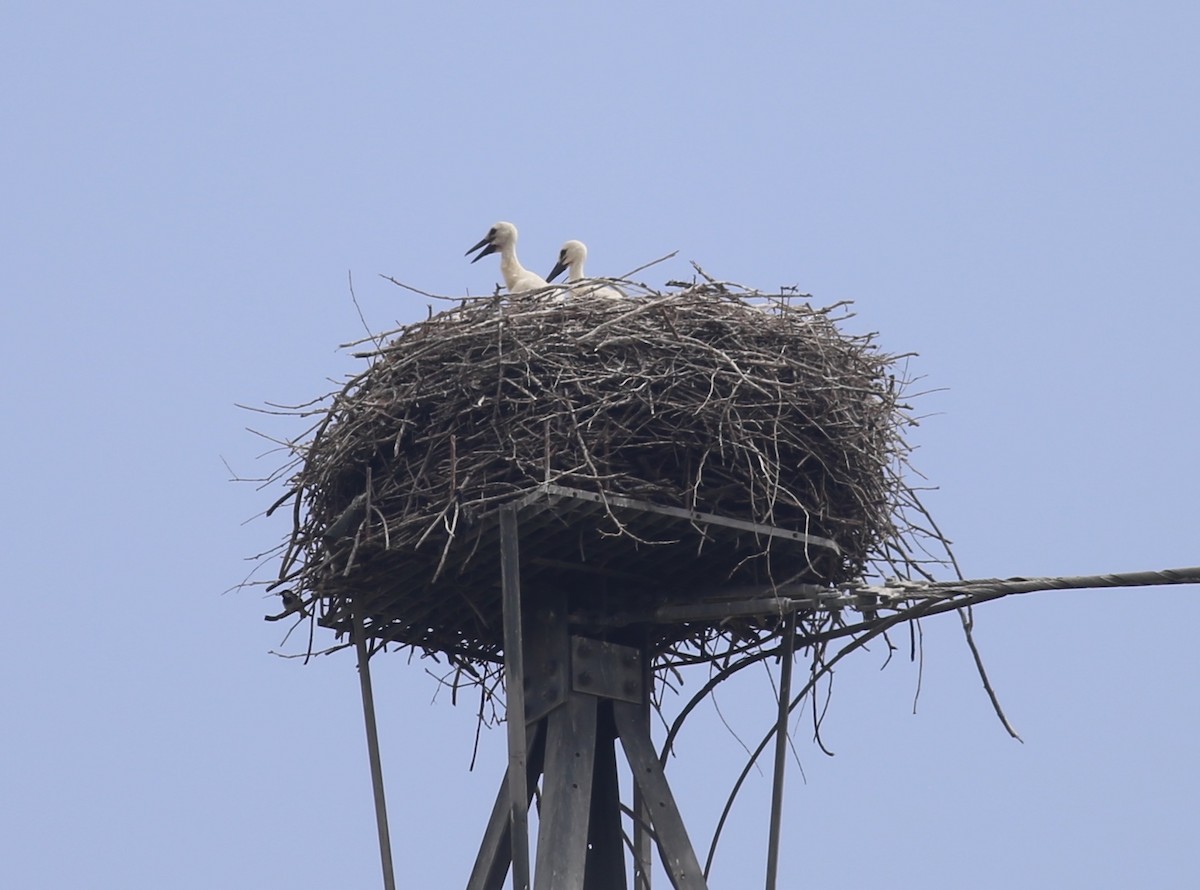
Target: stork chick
[(502, 237)]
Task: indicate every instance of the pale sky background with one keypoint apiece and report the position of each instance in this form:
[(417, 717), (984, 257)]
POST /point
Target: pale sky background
[(1009, 190)]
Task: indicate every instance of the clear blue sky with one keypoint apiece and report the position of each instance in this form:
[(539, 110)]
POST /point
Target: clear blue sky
[(1009, 190)]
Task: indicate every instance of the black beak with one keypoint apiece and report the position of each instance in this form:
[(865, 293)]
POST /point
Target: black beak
[(558, 269), (487, 246)]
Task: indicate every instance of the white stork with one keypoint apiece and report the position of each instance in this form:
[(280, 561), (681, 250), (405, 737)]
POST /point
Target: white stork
[(572, 257), (502, 237)]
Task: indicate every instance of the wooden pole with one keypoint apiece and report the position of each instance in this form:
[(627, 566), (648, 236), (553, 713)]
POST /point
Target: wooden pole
[(605, 837), (368, 700), (678, 857), (781, 740), (514, 687), (495, 853), (562, 847), (641, 809)]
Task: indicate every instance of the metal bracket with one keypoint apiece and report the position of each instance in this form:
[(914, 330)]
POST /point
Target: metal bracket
[(606, 670)]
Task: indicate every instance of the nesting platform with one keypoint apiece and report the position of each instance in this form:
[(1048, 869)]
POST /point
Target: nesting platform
[(621, 560)]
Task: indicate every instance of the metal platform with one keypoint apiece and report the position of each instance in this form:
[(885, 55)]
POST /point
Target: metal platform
[(616, 555)]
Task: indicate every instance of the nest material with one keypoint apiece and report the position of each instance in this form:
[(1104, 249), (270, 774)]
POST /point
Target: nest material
[(692, 399)]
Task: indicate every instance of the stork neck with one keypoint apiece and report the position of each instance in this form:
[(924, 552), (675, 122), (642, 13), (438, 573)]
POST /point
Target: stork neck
[(510, 266)]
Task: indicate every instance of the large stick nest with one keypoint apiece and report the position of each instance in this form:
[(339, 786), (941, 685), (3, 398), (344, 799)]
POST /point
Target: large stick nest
[(710, 398)]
